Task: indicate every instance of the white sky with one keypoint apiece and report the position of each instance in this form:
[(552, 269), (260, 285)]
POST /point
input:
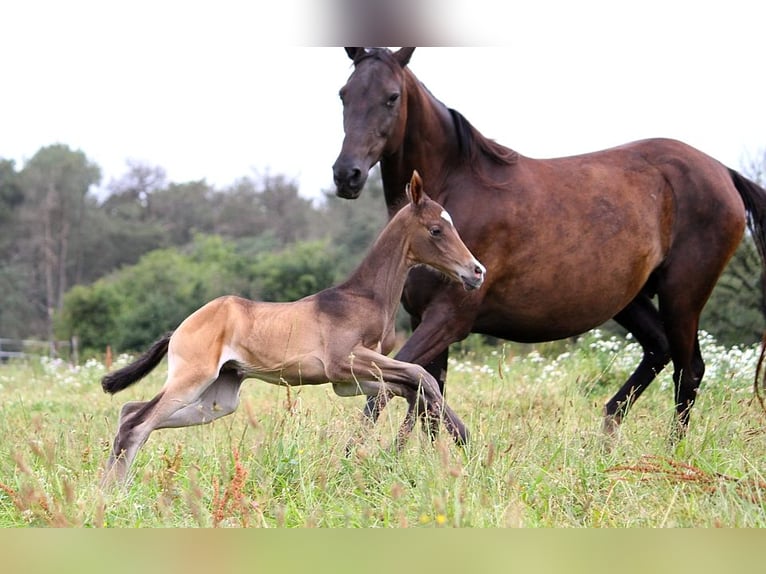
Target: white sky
[(210, 90)]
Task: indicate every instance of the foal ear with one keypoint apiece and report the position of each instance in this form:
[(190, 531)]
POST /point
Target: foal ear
[(403, 55), (415, 189), (352, 52)]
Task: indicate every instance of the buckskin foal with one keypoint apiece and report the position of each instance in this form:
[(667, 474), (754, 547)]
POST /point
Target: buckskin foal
[(340, 335)]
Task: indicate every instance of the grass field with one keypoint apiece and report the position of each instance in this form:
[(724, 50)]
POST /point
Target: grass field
[(537, 456)]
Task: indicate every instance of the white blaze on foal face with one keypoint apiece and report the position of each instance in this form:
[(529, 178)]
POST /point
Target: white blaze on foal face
[(446, 216)]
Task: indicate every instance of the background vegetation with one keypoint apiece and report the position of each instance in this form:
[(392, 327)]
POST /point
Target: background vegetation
[(121, 266), (120, 269)]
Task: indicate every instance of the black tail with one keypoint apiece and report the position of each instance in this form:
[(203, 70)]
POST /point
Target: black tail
[(138, 369), (754, 197)]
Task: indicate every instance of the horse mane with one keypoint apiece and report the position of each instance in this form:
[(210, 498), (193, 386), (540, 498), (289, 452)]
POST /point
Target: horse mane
[(471, 143)]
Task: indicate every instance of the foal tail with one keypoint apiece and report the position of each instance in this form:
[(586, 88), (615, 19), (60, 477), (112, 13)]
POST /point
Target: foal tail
[(754, 197), (138, 369)]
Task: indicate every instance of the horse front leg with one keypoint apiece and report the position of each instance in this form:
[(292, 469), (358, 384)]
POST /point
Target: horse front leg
[(643, 320)]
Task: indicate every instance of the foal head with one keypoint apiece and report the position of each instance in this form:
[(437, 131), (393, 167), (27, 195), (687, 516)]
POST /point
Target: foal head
[(433, 239)]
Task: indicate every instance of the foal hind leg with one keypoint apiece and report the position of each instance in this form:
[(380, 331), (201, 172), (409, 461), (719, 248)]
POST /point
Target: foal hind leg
[(643, 320), (182, 402), (219, 399)]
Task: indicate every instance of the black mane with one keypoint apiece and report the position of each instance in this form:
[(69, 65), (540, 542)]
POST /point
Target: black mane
[(471, 142)]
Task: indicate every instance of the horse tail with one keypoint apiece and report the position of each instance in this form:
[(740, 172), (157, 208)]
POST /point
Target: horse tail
[(138, 369), (754, 198)]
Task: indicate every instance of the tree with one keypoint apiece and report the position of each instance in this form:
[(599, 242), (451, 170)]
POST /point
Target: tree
[(271, 206), (352, 226), (131, 307), (130, 196), (298, 270), (11, 194), (183, 210), (55, 183)]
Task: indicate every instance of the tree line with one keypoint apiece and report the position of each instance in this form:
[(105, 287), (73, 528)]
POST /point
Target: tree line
[(121, 267)]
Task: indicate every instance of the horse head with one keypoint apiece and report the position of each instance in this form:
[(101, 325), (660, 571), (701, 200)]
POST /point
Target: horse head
[(374, 114)]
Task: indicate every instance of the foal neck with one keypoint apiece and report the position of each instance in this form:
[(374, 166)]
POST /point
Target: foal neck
[(382, 273)]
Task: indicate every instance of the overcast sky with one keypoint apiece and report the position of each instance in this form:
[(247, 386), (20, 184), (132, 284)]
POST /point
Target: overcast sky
[(214, 90)]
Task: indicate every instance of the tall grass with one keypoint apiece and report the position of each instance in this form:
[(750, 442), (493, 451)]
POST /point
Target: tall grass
[(537, 456)]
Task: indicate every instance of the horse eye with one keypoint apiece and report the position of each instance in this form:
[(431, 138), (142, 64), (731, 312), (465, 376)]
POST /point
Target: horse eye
[(392, 100), (435, 231)]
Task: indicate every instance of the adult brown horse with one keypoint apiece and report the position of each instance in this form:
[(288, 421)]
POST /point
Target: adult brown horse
[(569, 242)]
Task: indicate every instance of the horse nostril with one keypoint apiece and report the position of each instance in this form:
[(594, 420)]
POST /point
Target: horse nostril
[(478, 271), (343, 175)]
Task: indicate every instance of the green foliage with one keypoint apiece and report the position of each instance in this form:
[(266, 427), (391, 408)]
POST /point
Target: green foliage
[(352, 226), (11, 193), (91, 314), (18, 313), (133, 306), (734, 313), (299, 270)]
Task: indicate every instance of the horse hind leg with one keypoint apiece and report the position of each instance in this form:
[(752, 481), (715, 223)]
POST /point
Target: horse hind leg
[(680, 308), (643, 320), (688, 371)]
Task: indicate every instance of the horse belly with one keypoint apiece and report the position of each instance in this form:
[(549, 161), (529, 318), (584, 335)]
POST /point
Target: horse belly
[(569, 297)]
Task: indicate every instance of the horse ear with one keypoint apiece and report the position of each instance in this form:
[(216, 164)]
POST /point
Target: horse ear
[(415, 189), (352, 52), (403, 55)]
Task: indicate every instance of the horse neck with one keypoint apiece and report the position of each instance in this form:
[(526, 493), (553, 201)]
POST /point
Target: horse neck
[(383, 271), (429, 134)]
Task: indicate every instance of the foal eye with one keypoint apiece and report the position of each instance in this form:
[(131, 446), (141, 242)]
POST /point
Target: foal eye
[(435, 231), (392, 100)]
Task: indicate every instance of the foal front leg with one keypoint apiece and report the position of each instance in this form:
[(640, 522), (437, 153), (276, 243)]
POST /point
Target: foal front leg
[(373, 373)]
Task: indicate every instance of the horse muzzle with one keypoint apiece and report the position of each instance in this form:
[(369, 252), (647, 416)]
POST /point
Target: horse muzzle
[(349, 179)]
